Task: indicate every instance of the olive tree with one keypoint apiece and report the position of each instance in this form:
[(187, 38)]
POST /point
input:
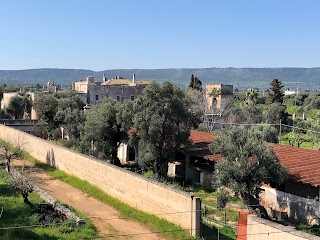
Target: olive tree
[(247, 159), (162, 118)]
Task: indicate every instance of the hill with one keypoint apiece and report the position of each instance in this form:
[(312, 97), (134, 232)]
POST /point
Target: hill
[(241, 78)]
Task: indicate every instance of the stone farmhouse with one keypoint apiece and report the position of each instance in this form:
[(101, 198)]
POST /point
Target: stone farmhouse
[(117, 88)]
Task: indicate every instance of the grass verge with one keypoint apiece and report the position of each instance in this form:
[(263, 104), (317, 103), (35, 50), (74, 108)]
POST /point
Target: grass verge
[(314, 230), (155, 224)]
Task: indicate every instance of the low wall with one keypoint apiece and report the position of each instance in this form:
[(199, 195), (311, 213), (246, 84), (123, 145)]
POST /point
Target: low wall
[(135, 190), (258, 228), (296, 207)]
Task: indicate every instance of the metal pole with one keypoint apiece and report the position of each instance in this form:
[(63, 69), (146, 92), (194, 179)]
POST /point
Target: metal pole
[(280, 133)]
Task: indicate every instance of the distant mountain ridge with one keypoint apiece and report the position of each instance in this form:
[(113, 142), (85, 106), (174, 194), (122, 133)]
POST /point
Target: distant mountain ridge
[(241, 78)]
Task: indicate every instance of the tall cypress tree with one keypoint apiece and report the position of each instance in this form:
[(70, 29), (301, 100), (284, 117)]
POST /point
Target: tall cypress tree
[(276, 93), (191, 84), (195, 83)]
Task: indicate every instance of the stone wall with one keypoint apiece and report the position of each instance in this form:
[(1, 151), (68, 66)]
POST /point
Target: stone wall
[(137, 191), (296, 208), (258, 228), (119, 93)]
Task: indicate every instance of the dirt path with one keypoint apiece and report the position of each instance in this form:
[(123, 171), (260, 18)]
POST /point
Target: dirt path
[(105, 218)]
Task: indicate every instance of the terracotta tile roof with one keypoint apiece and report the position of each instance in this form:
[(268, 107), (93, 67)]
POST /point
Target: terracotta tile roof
[(303, 164), (197, 137)]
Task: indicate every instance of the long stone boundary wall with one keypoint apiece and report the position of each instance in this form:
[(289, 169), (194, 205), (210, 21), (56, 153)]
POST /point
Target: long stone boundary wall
[(258, 228), (135, 190)]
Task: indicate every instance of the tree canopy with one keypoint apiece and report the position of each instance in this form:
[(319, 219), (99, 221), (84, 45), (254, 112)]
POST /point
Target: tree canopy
[(163, 118), (102, 131), (19, 105), (247, 161), (63, 109)]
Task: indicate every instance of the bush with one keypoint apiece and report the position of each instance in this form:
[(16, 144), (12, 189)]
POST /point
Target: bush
[(222, 199)]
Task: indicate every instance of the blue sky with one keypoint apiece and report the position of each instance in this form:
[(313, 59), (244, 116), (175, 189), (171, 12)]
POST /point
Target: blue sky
[(103, 34)]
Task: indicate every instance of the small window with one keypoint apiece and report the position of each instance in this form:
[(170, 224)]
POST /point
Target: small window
[(97, 97), (118, 98), (132, 98)]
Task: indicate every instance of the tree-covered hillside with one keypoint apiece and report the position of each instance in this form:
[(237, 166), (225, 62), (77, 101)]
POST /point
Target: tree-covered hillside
[(241, 78)]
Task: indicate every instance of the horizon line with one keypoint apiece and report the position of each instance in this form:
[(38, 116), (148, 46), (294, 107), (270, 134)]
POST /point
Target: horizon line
[(173, 68)]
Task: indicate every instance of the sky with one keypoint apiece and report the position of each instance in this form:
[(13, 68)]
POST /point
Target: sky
[(146, 34)]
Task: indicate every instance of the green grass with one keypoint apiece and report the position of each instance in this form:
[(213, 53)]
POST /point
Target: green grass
[(155, 224), (16, 213), (314, 230), (312, 114), (210, 231), (210, 199), (307, 141), (292, 109)]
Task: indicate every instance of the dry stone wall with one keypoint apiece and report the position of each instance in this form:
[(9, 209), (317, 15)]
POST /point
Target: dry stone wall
[(137, 191)]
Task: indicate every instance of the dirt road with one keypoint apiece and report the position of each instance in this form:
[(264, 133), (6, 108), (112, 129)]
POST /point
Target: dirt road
[(105, 218)]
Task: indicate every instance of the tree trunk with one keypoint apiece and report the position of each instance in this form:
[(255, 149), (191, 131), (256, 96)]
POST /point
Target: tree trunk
[(8, 166), (26, 200), (156, 169), (164, 169), (254, 205)]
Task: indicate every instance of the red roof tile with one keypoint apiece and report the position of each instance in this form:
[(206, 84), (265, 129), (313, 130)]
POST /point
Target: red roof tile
[(303, 164), (197, 137)]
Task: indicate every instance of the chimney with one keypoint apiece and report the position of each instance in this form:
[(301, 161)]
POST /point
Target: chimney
[(104, 78), (133, 78)]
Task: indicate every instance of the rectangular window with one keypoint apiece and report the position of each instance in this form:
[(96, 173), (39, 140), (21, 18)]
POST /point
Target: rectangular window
[(132, 98), (118, 98), (97, 97)]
